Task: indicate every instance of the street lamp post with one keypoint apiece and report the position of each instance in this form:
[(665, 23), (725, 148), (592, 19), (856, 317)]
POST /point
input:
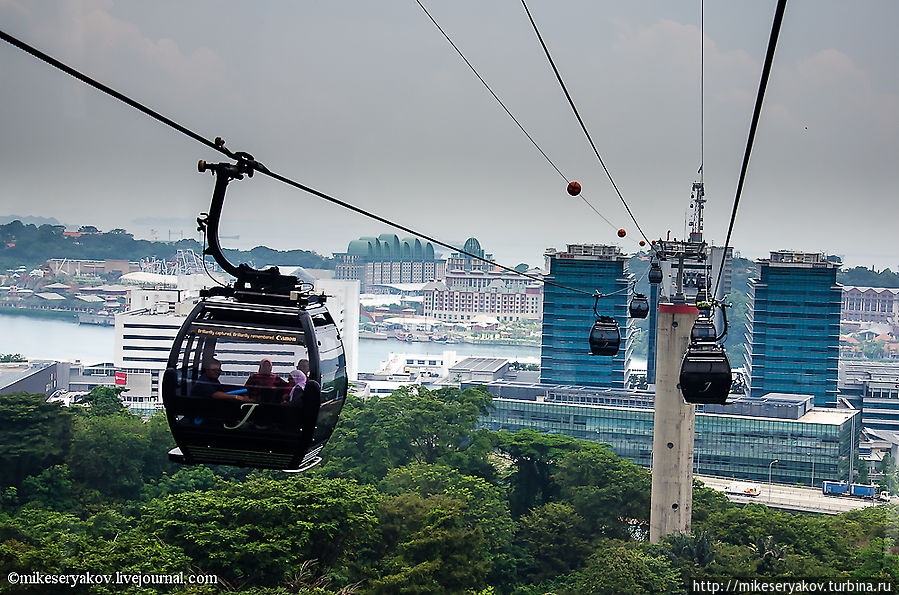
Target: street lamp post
[(769, 478)]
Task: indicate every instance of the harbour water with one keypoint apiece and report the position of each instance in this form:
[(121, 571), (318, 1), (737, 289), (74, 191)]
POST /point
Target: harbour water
[(49, 338)]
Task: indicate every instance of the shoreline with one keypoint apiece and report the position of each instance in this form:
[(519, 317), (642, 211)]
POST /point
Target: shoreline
[(66, 315)]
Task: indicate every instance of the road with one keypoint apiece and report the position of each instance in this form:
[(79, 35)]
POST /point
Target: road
[(790, 497)]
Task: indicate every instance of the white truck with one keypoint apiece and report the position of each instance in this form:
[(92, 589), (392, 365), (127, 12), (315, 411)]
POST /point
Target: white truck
[(743, 489)]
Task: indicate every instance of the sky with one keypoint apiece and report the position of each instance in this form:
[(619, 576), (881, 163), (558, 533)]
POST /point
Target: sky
[(368, 102)]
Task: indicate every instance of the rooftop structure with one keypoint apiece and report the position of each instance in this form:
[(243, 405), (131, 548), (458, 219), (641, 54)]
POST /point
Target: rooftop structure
[(461, 262), (38, 377)]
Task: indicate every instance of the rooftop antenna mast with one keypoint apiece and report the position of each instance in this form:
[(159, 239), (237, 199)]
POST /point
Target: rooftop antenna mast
[(697, 196)]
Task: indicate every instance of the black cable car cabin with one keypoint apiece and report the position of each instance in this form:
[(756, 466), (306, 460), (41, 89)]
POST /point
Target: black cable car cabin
[(605, 337), (225, 389), (703, 331), (265, 431), (705, 375), (639, 306)]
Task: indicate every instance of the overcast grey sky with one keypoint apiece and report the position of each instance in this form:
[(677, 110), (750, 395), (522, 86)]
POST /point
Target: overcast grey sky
[(368, 102)]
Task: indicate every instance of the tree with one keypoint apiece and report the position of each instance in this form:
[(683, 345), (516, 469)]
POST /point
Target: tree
[(432, 548), (39, 540), (534, 457), (34, 435), (105, 400), (114, 454), (610, 493), (888, 479), (695, 551), (106, 455), (482, 507), (768, 554), (616, 568), (552, 538), (413, 424), (877, 560), (260, 531), (52, 488)]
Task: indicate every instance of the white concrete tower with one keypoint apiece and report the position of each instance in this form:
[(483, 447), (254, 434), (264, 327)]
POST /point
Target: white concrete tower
[(673, 431)]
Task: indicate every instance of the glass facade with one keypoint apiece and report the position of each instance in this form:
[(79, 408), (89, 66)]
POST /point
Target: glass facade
[(568, 317), (793, 327), (725, 445)]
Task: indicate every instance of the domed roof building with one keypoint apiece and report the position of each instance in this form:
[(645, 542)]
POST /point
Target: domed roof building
[(388, 259)]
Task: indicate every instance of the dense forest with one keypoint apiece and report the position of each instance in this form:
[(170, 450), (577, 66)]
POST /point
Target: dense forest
[(30, 246), (413, 497)]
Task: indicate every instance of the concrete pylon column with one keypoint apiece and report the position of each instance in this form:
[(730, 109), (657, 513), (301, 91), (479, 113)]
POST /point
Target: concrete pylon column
[(671, 505)]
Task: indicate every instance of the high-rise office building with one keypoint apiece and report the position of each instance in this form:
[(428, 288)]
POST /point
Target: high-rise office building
[(568, 316), (793, 328)]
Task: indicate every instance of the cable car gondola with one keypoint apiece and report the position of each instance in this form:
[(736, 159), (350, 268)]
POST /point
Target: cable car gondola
[(605, 337), (639, 306), (655, 273), (703, 331), (226, 391), (705, 375)]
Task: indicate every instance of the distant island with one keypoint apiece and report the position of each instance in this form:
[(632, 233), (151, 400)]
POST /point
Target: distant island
[(30, 245)]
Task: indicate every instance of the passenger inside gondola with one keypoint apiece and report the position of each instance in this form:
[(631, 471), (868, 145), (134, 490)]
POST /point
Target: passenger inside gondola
[(305, 396), (263, 386), (208, 384), (297, 386)]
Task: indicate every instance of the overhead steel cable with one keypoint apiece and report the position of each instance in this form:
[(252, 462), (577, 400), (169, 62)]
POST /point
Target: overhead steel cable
[(581, 121), (218, 145), (506, 109), (701, 89), (763, 84)]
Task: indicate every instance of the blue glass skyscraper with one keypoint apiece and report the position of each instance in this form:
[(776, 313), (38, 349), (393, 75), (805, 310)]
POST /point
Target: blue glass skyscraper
[(568, 316), (793, 327)]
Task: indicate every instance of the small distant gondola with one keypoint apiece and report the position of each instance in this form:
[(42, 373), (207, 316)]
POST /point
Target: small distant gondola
[(639, 306), (605, 337), (703, 331), (228, 391), (655, 273)]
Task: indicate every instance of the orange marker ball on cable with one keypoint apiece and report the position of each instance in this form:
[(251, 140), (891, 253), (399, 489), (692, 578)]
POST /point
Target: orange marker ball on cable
[(642, 243), (574, 188), (621, 233)]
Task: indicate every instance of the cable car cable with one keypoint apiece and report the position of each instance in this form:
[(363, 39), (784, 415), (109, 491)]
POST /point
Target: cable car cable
[(247, 161), (701, 89), (581, 121), (763, 84), (506, 109)]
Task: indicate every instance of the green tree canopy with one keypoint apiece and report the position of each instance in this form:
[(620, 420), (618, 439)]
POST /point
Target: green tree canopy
[(34, 435), (413, 424), (534, 457), (260, 531)]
